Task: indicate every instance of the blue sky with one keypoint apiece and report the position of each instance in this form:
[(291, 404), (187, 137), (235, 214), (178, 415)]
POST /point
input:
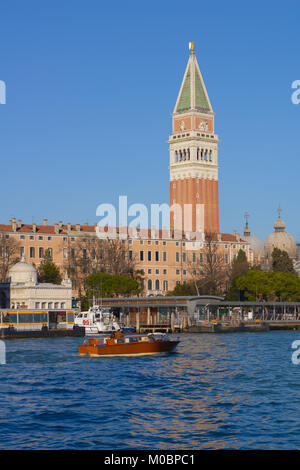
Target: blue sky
[(91, 86)]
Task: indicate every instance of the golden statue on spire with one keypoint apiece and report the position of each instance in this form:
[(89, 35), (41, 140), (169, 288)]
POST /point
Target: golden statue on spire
[(191, 45)]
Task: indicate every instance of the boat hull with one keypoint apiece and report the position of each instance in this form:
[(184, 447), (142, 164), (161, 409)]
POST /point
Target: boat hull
[(128, 349)]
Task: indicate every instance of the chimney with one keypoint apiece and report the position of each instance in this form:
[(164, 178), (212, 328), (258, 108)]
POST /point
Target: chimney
[(56, 228), (68, 227), (219, 237), (153, 231), (19, 223), (45, 221), (77, 227), (34, 227), (60, 224)]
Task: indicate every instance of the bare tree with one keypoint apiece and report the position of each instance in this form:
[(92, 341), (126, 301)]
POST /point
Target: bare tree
[(209, 276), (9, 255), (90, 255)]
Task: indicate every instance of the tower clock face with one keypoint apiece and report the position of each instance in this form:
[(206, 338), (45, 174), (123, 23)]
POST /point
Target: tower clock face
[(203, 126)]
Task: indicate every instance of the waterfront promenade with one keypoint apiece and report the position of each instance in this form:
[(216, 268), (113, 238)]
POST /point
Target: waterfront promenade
[(205, 314)]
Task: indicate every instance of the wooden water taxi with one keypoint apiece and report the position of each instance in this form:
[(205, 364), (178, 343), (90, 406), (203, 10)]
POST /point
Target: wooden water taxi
[(117, 344)]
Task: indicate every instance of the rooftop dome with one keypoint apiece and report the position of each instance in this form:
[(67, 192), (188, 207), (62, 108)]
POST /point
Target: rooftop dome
[(23, 272), (256, 244), (280, 239)]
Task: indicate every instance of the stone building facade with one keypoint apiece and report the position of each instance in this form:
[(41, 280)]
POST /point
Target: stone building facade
[(27, 293)]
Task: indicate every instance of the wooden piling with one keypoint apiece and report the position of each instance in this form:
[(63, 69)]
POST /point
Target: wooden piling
[(173, 322), (137, 322)]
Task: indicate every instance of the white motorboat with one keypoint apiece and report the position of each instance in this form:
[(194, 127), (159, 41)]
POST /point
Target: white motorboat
[(97, 320)]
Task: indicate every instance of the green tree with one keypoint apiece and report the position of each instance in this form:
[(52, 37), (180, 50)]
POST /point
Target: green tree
[(269, 286), (111, 285), (49, 271), (187, 288), (281, 262)]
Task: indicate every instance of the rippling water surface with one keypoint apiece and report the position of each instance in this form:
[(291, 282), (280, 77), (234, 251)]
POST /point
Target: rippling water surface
[(225, 391)]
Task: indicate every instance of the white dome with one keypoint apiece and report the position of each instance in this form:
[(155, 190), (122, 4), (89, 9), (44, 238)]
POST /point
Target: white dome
[(23, 272), (256, 245), (282, 240)]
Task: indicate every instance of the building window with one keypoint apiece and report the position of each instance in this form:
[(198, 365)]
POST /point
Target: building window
[(149, 284), (56, 305), (31, 237), (41, 252), (201, 257), (141, 242), (157, 284), (49, 239), (157, 271), (41, 238), (157, 256), (149, 255), (62, 305), (177, 272), (31, 252), (194, 257), (226, 258), (43, 304), (164, 243), (149, 242), (50, 305), (37, 305), (184, 272), (72, 239), (65, 253), (149, 271), (64, 239), (165, 285), (22, 237), (177, 243), (49, 252), (130, 254), (165, 271), (184, 257), (22, 251), (73, 253), (164, 256), (177, 256), (129, 242), (141, 256)]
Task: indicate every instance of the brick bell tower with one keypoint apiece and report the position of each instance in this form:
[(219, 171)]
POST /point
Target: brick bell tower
[(194, 152)]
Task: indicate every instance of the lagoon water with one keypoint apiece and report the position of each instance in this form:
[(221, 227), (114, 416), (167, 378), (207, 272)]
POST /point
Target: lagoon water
[(218, 391)]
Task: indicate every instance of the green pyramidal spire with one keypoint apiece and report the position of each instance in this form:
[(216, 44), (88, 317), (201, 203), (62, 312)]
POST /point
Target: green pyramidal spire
[(192, 94)]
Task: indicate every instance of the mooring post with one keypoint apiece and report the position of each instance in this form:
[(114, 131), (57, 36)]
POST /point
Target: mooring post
[(173, 322), (148, 316), (137, 322)]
